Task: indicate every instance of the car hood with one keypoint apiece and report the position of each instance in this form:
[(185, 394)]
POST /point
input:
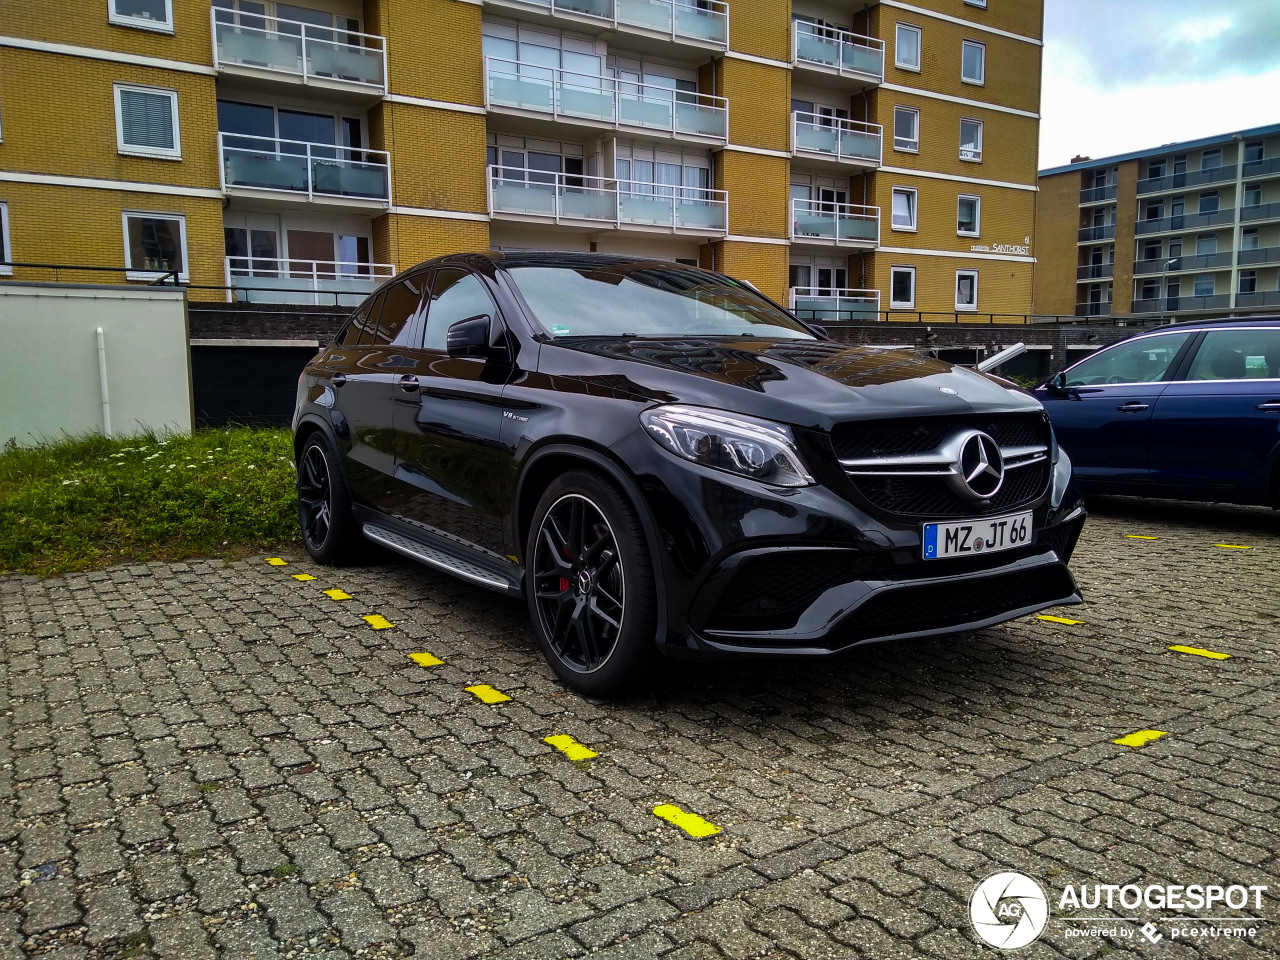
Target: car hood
[(804, 382)]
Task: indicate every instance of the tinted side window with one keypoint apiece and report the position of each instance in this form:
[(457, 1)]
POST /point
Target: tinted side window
[(399, 305), (455, 296), (1141, 361), (362, 325), (1238, 355)]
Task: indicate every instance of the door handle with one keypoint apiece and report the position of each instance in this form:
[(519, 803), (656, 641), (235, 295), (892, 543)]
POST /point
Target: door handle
[(408, 383), (1271, 406), (338, 379), (1132, 407)]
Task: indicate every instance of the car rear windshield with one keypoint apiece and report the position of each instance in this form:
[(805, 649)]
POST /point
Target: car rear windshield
[(620, 300)]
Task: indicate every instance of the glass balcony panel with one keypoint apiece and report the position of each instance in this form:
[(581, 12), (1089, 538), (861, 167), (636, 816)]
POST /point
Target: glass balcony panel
[(345, 62), (1259, 298), (265, 170), (579, 97), (514, 196), (646, 13), (1262, 211), (587, 203), (348, 178), (701, 24), (652, 112), (640, 208), (814, 49), (813, 223), (258, 48), (526, 93), (1260, 255), (1259, 168), (856, 228), (856, 144), (591, 8), (700, 214), (817, 139), (863, 59), (848, 306), (702, 120), (303, 281)]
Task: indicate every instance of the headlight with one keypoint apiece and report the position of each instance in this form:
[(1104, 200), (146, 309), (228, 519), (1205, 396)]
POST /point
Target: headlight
[(746, 446)]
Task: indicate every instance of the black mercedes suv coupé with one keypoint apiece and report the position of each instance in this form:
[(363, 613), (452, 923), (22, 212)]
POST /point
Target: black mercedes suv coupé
[(659, 458)]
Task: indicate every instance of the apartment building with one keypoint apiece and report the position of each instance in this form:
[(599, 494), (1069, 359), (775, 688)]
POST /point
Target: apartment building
[(1181, 230), (845, 159)]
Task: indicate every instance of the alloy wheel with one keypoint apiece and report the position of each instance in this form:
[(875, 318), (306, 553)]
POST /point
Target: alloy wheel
[(315, 493)]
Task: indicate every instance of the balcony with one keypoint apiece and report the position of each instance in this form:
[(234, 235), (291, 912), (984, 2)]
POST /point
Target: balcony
[(705, 22), (831, 304), (309, 172), (1192, 178), (1199, 261), (1258, 298), (569, 198), (1095, 271), (1261, 211), (831, 138), (604, 101), (1261, 168), (835, 224), (1259, 255), (1094, 308), (1186, 221), (295, 52), (317, 282), (1098, 194), (1217, 301), (837, 52), (1104, 232)]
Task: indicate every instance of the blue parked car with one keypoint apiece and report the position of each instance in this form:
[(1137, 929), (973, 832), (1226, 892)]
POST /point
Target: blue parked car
[(1190, 411)]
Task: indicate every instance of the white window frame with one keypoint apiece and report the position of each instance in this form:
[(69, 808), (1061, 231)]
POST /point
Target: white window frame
[(1252, 276), (967, 272), (982, 80), (915, 209), (5, 271), (1195, 285), (902, 304), (977, 215), (981, 132), (132, 150), (134, 274), (913, 67), (916, 112), (142, 23)]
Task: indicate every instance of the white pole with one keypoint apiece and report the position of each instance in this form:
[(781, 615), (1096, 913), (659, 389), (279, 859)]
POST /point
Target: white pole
[(102, 378)]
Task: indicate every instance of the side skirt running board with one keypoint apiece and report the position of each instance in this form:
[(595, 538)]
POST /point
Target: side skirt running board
[(434, 556)]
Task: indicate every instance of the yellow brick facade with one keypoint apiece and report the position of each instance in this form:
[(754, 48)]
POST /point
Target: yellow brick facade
[(765, 264), (1057, 251), (1002, 288)]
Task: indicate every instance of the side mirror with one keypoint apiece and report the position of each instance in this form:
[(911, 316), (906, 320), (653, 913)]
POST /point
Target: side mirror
[(819, 329), (470, 337), (1057, 384)]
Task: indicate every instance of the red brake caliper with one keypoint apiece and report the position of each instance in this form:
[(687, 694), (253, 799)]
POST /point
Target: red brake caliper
[(564, 584)]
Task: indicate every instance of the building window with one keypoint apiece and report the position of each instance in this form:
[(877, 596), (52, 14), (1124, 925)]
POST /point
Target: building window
[(1155, 169), (902, 288), (906, 47), (1206, 243), (1248, 281), (904, 208), (147, 122), (6, 254), (971, 140), (1150, 289), (966, 289), (1211, 159), (1154, 210), (973, 62), (147, 14), (906, 129), (1253, 196), (1204, 285), (1179, 164), (1209, 202), (968, 216), (155, 244), (1253, 151), (1249, 238), (1175, 248)]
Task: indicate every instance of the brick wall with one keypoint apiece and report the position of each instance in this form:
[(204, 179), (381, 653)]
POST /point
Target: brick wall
[(1057, 254)]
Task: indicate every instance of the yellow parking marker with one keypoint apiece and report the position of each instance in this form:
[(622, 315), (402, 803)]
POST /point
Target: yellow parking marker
[(336, 594), (378, 621), (570, 747), (303, 576), (1139, 738), (277, 562), (1232, 546), (1136, 536), (425, 659), (690, 823), (1198, 652), (487, 694), (1049, 619)]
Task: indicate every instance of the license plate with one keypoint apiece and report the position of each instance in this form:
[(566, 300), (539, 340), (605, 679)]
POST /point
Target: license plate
[(965, 538)]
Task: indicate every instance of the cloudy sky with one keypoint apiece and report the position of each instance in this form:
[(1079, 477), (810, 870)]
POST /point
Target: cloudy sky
[(1122, 75)]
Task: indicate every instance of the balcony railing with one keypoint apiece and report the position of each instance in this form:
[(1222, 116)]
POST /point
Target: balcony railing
[(1176, 181), (1261, 168), (1094, 308), (561, 197), (1261, 211), (311, 170), (835, 304), (1104, 232), (1174, 304), (299, 51), (841, 224), (1096, 194), (1258, 298), (1259, 255), (604, 100), (1199, 261), (1186, 221), (258, 280), (1095, 271), (702, 22), (845, 53), (850, 141)]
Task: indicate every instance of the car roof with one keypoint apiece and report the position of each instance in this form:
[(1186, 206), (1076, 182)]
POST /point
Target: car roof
[(1220, 322)]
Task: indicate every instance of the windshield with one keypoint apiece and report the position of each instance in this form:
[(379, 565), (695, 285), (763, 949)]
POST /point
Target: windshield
[(617, 300)]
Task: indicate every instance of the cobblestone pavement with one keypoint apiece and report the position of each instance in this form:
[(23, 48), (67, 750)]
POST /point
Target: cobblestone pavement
[(210, 759)]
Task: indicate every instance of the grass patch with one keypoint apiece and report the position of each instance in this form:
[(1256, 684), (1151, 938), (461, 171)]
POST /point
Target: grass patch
[(90, 502)]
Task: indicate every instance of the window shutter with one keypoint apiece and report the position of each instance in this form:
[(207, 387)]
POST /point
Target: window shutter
[(147, 119)]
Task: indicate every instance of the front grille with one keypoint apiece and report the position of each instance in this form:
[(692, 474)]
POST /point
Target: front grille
[(936, 606), (858, 440), (932, 497), (770, 591), (1062, 538)]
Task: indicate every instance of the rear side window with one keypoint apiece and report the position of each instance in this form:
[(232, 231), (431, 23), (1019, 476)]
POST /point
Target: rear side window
[(1138, 361), (1238, 355), (360, 329), (400, 305), (455, 296)]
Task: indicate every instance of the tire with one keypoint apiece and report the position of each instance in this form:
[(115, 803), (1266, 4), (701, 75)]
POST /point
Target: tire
[(591, 589), (329, 530)]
